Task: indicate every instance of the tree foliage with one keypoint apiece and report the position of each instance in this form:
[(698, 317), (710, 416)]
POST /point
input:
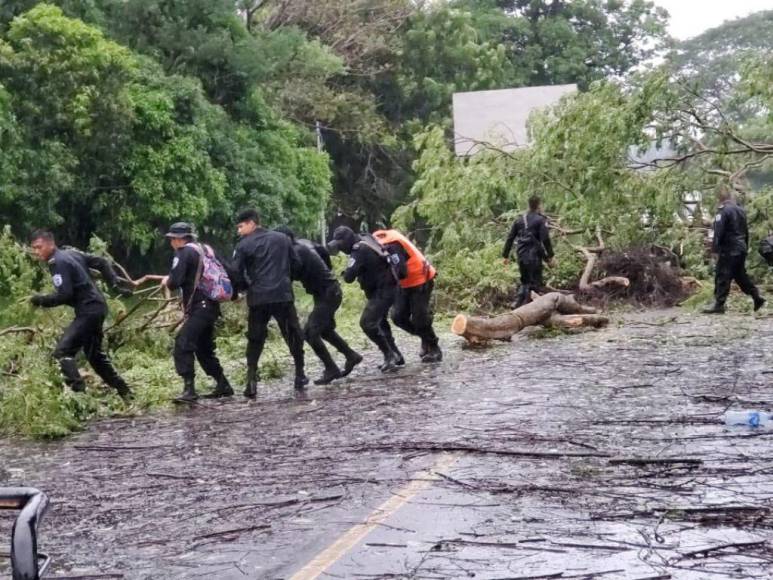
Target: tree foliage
[(106, 142)]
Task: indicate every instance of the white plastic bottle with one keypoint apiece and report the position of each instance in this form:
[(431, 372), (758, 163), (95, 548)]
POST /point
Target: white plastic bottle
[(749, 418)]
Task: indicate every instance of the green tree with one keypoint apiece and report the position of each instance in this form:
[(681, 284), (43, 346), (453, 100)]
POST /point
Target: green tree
[(560, 41), (107, 143)]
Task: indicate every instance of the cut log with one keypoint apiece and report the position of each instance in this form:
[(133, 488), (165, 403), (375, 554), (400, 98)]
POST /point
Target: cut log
[(576, 321), (554, 309)]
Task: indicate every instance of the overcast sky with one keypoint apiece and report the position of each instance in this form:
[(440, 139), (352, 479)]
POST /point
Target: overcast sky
[(691, 17)]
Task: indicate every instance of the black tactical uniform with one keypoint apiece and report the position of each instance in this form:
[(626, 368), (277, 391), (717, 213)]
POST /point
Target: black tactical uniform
[(263, 261), (318, 280), (731, 244), (74, 287), (533, 246), (369, 263), (412, 312), (196, 338)]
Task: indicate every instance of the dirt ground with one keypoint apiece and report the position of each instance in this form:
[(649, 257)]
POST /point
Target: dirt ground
[(601, 455)]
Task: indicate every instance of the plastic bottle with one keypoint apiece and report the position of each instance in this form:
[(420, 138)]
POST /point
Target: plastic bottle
[(749, 418)]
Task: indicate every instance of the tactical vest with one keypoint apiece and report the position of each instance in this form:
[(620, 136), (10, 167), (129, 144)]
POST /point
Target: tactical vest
[(420, 271)]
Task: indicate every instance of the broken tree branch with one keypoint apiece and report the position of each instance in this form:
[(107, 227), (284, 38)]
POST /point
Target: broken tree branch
[(546, 309)]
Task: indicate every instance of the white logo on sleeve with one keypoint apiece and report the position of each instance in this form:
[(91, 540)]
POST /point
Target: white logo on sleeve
[(351, 262), (175, 262), (57, 280), (718, 218)]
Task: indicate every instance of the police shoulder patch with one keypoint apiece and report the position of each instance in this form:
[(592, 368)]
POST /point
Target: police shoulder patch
[(718, 218), (57, 280), (175, 262), (351, 262)]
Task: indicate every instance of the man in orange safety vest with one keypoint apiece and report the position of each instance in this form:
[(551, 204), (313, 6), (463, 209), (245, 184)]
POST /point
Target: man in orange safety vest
[(412, 310)]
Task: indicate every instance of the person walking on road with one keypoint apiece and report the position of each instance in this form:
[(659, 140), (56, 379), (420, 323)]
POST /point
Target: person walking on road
[(263, 261), (729, 247), (378, 272), (74, 287), (317, 278), (196, 338), (533, 247), (412, 310)]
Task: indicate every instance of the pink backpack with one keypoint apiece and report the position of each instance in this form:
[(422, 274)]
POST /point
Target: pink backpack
[(211, 277)]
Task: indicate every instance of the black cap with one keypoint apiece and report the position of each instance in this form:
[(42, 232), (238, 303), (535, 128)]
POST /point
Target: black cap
[(343, 233), (180, 230)]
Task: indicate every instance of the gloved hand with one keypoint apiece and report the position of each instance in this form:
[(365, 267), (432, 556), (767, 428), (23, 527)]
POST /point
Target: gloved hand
[(124, 292), (37, 300)]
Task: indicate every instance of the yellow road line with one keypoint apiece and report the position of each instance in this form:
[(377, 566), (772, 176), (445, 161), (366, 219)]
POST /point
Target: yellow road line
[(357, 533)]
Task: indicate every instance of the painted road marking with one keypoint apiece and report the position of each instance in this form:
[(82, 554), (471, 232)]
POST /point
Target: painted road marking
[(357, 533)]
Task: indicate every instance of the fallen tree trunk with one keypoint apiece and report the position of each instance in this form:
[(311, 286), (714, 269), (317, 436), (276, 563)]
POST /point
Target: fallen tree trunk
[(555, 310)]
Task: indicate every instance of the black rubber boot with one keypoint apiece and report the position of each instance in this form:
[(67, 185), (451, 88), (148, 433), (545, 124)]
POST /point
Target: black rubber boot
[(300, 382), (434, 354), (390, 363), (72, 375), (352, 360), (251, 390), (399, 359), (759, 302), (424, 348), (714, 309), (331, 373), (189, 391), (122, 389), (222, 389)]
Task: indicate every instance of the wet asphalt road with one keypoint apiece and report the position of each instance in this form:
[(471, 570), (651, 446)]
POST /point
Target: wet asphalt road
[(518, 461)]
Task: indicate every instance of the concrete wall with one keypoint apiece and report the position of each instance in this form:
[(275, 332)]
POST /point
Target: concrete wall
[(499, 117)]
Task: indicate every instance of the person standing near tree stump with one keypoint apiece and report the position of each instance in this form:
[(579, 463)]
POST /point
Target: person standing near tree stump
[(730, 246), (533, 247)]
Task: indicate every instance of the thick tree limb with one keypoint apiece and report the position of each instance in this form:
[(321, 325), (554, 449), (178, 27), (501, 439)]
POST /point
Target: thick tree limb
[(591, 256), (547, 310)]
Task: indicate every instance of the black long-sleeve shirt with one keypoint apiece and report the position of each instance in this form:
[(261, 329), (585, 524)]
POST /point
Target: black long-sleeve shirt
[(371, 269), (73, 285), (263, 262), (533, 238), (731, 233), (315, 272)]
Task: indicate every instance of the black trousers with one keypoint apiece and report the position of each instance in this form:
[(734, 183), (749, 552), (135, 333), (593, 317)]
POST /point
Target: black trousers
[(374, 321), (731, 268), (85, 332), (413, 313), (196, 341), (321, 326), (531, 280), (257, 330)]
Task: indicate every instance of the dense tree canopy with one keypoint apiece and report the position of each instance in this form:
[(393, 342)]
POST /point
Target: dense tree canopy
[(102, 140)]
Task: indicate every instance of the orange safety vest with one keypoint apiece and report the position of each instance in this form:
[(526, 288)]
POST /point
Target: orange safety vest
[(420, 271)]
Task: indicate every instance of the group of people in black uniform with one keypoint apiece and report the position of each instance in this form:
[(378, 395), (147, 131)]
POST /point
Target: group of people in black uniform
[(391, 271)]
